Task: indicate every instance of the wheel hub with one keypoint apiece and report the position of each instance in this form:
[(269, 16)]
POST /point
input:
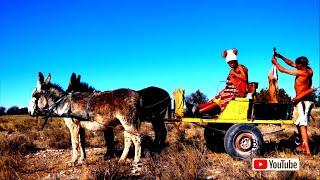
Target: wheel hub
[(244, 142)]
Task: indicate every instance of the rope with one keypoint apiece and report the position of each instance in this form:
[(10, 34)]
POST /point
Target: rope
[(157, 102)]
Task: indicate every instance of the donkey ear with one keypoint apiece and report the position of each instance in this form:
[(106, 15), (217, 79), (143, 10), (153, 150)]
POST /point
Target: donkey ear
[(235, 51), (224, 54), (40, 81), (40, 77), (73, 78), (78, 79), (48, 78)]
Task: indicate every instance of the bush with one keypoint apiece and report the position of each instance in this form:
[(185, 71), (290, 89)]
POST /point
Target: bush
[(14, 110), (2, 110), (196, 98)]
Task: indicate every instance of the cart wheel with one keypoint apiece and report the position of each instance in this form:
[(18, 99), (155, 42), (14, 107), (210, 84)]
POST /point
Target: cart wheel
[(214, 134), (243, 141)]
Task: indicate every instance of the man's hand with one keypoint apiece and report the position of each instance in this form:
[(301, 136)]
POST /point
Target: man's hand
[(274, 60), (278, 55)]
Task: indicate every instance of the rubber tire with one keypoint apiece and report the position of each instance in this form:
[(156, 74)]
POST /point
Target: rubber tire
[(215, 140), (236, 130)]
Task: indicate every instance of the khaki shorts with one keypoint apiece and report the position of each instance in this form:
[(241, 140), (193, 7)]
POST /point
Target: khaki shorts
[(301, 113)]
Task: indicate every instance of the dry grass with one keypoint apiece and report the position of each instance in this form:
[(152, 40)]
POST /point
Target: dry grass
[(8, 162), (27, 152)]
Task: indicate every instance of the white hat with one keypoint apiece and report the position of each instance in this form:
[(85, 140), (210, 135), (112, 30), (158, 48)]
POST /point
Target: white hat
[(230, 55)]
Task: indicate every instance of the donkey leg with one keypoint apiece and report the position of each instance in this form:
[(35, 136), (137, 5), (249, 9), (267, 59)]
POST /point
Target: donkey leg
[(135, 137), (82, 145), (75, 145), (160, 132), (74, 133), (127, 144), (109, 138)]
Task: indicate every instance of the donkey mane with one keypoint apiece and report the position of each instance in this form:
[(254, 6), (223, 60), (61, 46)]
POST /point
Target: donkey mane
[(85, 87), (56, 86), (76, 86), (53, 93)]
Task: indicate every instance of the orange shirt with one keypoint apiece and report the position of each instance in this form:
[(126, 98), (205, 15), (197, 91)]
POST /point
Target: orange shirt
[(241, 84)]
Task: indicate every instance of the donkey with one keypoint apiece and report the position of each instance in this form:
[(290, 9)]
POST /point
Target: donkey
[(156, 107), (99, 109)]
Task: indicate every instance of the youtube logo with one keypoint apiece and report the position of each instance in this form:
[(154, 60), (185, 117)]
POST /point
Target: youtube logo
[(260, 164), (275, 164)]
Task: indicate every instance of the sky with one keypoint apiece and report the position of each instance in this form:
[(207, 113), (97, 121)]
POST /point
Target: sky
[(136, 44)]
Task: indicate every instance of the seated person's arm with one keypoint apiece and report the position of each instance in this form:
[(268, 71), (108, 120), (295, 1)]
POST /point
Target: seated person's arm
[(242, 76)]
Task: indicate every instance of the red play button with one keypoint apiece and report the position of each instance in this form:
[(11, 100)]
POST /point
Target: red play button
[(260, 164)]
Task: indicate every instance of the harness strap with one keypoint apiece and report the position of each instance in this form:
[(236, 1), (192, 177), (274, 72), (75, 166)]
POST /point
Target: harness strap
[(157, 102), (49, 112), (72, 115), (88, 106)]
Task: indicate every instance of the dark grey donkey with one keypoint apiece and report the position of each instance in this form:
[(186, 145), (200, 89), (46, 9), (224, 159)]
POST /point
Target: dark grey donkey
[(93, 111)]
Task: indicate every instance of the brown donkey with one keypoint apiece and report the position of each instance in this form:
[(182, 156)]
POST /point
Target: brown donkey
[(93, 111), (156, 107)]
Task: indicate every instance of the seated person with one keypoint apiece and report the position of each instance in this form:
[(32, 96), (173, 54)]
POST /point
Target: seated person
[(236, 85)]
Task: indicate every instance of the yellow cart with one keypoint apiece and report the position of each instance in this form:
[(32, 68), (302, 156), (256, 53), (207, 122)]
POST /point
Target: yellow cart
[(235, 127)]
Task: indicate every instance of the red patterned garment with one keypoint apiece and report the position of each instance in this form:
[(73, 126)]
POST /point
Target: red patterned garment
[(227, 94)]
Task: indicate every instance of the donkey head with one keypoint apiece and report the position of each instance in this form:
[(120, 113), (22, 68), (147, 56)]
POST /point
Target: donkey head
[(43, 95)]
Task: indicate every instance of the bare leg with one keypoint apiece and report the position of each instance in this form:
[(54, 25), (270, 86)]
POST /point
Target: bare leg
[(305, 139), (299, 134), (207, 106)]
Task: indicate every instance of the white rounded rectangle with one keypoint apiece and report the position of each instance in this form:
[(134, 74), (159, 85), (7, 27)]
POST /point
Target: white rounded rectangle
[(275, 164)]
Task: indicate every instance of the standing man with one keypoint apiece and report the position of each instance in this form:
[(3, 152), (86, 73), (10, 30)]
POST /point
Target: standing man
[(303, 101)]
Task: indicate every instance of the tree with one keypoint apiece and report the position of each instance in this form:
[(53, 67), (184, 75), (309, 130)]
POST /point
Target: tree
[(23, 110), (282, 96), (14, 110), (196, 98), (2, 110)]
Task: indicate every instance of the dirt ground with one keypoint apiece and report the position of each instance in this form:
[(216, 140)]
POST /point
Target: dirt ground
[(186, 156)]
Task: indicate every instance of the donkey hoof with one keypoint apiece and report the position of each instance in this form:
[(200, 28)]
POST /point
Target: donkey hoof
[(136, 169), (81, 162), (71, 163), (121, 161)]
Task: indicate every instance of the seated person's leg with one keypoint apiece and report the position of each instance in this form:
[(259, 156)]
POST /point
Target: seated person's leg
[(207, 106), (204, 105), (211, 107)]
